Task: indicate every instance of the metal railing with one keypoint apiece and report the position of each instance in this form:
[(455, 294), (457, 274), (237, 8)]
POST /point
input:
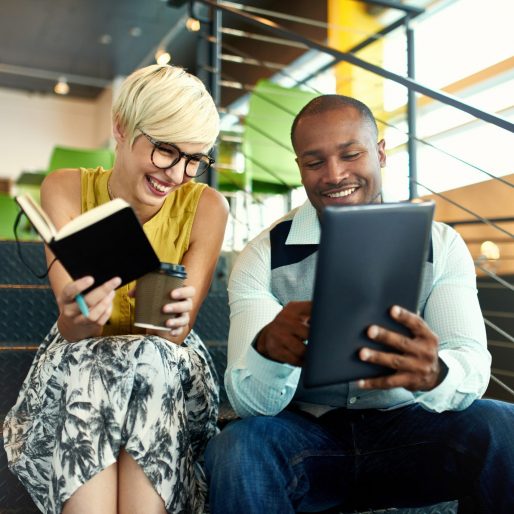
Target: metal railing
[(278, 31)]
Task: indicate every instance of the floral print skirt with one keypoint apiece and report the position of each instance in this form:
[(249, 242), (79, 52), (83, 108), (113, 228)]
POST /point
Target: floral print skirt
[(82, 402)]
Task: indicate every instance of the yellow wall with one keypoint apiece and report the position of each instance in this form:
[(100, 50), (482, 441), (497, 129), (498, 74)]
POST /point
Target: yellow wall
[(349, 24)]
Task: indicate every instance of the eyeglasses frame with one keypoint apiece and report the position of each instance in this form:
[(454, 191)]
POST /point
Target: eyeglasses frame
[(181, 155)]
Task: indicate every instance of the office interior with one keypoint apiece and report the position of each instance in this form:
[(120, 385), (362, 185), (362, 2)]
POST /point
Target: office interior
[(441, 90)]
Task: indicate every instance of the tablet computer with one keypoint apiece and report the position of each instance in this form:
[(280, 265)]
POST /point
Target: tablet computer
[(370, 258)]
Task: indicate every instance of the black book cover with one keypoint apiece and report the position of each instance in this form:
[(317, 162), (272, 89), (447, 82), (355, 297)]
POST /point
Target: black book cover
[(115, 246)]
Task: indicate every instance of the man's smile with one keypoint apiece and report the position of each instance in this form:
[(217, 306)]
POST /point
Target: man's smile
[(341, 193)]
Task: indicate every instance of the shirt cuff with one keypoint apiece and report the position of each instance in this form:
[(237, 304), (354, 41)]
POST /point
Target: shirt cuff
[(269, 371), (440, 398)]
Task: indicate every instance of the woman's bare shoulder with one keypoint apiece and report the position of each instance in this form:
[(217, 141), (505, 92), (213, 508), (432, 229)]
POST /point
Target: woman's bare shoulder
[(211, 214), (211, 198), (61, 179), (60, 194)]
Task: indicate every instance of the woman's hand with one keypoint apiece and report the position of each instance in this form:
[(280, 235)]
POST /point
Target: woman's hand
[(73, 324), (179, 310)]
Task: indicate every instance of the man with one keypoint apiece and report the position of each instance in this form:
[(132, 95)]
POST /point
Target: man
[(415, 437)]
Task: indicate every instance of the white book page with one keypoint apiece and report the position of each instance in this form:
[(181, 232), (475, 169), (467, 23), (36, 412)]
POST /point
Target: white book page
[(39, 219), (90, 217)]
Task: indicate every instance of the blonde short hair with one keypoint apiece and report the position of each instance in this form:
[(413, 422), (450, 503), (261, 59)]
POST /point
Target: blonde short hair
[(167, 103)]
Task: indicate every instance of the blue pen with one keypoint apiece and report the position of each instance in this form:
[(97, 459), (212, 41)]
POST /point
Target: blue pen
[(82, 305)]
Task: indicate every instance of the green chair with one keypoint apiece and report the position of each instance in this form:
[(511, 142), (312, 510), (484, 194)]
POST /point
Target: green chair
[(8, 212), (29, 183), (63, 157)]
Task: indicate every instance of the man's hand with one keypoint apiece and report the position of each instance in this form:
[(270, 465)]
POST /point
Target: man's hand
[(415, 358), (282, 340)]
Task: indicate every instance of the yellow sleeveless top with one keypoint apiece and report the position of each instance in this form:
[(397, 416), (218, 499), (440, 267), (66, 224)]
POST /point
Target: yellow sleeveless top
[(168, 231)]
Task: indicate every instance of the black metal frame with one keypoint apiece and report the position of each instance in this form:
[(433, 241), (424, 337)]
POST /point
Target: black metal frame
[(409, 82)]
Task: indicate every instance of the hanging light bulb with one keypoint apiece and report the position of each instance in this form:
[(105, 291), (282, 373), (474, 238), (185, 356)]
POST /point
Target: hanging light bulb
[(162, 57), (192, 24), (62, 87)]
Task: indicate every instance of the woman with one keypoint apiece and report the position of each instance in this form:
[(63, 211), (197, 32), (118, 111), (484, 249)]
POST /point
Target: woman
[(112, 418)]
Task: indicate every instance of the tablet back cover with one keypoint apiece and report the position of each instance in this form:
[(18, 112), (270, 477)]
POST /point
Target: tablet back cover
[(371, 257)]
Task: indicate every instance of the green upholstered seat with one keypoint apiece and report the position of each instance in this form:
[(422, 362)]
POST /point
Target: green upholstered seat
[(63, 157), (8, 212)]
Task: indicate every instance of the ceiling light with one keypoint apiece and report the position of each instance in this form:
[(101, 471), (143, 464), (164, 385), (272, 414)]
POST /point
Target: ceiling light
[(62, 87), (135, 31), (192, 24), (162, 57)]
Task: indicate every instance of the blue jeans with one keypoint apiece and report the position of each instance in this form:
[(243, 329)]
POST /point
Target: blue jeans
[(358, 459)]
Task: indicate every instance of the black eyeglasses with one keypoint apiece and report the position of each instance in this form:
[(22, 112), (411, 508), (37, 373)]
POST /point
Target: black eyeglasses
[(166, 155)]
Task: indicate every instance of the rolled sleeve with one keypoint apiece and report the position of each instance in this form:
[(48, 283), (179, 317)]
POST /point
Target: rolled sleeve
[(255, 385), (453, 312)]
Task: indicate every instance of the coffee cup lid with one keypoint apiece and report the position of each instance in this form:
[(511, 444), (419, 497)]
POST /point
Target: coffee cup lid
[(169, 268)]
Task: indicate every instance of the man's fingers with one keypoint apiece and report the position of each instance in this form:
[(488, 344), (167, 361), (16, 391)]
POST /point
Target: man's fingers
[(290, 354), (387, 382), (299, 309), (392, 339), (413, 322), (389, 359)]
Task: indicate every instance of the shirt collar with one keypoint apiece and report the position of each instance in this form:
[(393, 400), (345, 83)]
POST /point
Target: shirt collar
[(305, 229)]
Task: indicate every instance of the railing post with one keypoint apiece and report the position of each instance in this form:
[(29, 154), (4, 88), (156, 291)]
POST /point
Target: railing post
[(214, 76), (208, 57), (411, 113)]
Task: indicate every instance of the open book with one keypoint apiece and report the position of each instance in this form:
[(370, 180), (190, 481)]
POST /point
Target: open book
[(105, 242)]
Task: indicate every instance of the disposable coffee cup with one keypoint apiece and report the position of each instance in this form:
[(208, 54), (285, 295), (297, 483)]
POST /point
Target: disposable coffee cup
[(153, 292)]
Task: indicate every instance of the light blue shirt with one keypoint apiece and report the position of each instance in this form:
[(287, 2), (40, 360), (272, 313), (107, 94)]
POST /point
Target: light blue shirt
[(258, 386)]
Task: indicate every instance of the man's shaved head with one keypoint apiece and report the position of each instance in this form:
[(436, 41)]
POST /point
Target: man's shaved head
[(325, 103)]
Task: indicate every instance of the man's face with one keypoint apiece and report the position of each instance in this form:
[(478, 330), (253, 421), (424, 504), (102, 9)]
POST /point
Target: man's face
[(339, 158)]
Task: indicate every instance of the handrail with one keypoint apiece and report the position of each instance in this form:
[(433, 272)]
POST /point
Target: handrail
[(352, 59), (265, 64), (445, 152), (410, 9), (502, 384), (465, 209), (495, 277), (412, 86)]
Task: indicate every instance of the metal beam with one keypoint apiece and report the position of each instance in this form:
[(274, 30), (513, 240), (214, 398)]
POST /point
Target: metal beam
[(377, 70), (395, 5), (411, 115)]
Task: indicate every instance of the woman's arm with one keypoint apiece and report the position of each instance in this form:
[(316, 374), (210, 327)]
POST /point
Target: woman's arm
[(61, 200), (200, 261)]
